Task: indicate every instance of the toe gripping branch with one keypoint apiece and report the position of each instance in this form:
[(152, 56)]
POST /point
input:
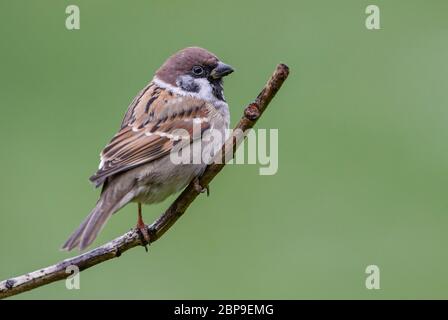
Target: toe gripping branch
[(199, 188)]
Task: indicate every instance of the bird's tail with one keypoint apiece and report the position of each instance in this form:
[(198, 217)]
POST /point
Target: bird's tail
[(88, 230)]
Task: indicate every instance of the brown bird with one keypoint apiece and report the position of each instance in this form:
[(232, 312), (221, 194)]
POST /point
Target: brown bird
[(136, 166)]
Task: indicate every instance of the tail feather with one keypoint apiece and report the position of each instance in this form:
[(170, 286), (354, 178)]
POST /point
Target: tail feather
[(109, 203), (97, 221), (75, 238)]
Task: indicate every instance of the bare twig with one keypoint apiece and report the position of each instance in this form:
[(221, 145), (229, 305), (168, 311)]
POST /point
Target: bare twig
[(131, 239)]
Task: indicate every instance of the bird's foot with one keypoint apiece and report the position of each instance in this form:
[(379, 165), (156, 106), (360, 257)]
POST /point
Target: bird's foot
[(199, 188), (143, 234), (142, 230)]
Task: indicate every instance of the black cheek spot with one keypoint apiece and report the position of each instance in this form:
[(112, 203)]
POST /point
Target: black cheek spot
[(189, 86)]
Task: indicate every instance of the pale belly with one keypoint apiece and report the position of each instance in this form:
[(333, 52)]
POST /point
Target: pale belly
[(160, 184)]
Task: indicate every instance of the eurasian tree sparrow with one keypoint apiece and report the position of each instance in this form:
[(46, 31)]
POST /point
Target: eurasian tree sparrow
[(135, 166)]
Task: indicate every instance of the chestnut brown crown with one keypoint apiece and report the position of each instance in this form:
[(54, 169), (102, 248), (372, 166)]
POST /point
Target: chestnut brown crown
[(194, 61)]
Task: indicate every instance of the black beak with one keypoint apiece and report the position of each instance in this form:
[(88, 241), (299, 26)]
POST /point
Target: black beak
[(221, 70)]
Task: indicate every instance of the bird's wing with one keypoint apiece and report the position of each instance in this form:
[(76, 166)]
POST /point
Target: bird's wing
[(150, 129)]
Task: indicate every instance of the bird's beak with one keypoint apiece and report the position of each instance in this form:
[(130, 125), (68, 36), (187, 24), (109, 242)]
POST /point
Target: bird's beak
[(221, 70)]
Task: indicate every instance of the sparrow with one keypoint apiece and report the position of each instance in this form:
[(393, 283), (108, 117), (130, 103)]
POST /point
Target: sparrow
[(135, 166)]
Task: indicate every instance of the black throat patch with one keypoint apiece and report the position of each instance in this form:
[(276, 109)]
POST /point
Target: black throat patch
[(217, 87)]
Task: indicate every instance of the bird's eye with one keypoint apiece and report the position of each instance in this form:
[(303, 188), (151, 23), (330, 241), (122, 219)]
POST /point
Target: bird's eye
[(198, 70)]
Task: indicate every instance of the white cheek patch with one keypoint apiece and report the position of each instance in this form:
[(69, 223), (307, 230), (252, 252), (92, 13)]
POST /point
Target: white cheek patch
[(205, 89), (200, 86)]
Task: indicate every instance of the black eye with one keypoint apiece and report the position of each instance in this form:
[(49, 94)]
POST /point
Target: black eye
[(198, 70)]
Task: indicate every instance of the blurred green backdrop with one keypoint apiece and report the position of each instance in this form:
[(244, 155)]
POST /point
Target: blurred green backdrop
[(363, 158)]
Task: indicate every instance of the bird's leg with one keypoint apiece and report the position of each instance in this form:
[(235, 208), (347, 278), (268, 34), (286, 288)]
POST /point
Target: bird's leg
[(142, 230), (200, 188)]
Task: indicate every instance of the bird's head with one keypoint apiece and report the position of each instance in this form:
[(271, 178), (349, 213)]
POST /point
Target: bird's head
[(195, 70)]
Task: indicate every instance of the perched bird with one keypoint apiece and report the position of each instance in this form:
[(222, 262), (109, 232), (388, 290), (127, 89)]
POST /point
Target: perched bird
[(135, 166)]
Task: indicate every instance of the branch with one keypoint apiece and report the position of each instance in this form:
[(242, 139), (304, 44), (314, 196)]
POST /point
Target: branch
[(132, 239)]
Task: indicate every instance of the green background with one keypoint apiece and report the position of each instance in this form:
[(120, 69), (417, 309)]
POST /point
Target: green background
[(363, 158)]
